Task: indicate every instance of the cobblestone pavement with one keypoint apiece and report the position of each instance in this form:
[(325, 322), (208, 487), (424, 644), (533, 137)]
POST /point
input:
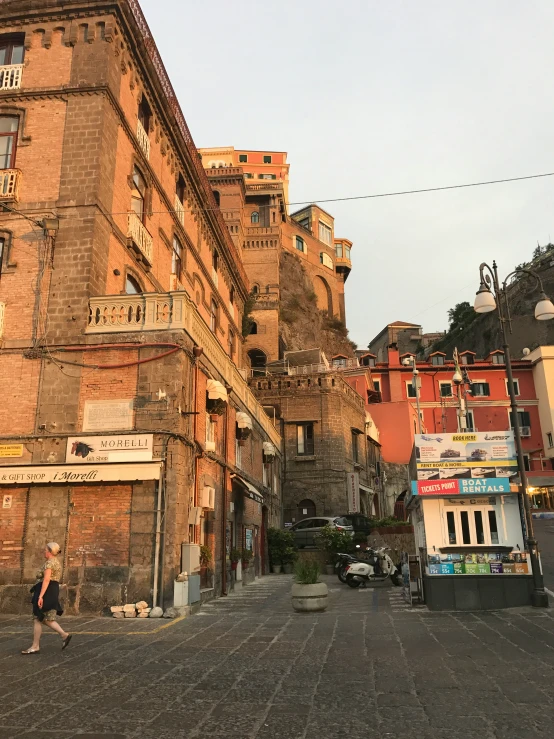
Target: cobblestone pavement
[(247, 667), (544, 531)]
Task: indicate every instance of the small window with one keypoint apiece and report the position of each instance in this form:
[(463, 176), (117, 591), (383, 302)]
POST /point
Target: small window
[(180, 189), (523, 418), (498, 358), (371, 361), (325, 233), (377, 385), (217, 198), (215, 261), (446, 389), (8, 141), (516, 387), (305, 438), (467, 359), (231, 344), (305, 223), (480, 389), (355, 451), (526, 463), (326, 260), (213, 316), (243, 158), (451, 524), (253, 328), (12, 49), (347, 252), (210, 433), (548, 435), (410, 390), (132, 286), (232, 295), (470, 422), (338, 250), (248, 175), (437, 360), (138, 193), (299, 243), (144, 114), (255, 217), (267, 158), (177, 258), (255, 289)]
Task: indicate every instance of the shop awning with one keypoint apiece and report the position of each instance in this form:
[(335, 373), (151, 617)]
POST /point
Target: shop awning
[(540, 481), (249, 489), (269, 449), (244, 421), (216, 390), (365, 488)]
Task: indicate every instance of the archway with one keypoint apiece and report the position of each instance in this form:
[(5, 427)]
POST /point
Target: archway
[(323, 294), (305, 509), (258, 361)]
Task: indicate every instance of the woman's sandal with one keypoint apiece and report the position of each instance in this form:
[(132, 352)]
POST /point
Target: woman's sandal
[(66, 641), (30, 651)]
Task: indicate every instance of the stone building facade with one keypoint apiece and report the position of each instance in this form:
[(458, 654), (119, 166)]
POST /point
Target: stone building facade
[(121, 303)]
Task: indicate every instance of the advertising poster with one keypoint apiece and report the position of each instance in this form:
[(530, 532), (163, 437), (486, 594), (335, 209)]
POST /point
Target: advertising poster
[(464, 463)]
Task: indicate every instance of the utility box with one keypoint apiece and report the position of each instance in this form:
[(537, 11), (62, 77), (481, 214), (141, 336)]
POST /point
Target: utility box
[(194, 589), (180, 594), (190, 558)]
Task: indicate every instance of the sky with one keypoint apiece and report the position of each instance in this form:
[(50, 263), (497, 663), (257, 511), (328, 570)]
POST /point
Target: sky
[(371, 97)]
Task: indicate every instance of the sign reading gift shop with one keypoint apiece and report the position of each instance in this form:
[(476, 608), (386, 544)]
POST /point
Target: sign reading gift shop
[(470, 457), (69, 473), (98, 449), (353, 491), (474, 486)]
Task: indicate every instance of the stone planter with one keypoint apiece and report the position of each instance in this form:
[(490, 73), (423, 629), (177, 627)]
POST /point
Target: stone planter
[(329, 569), (287, 569), (276, 569), (309, 598)]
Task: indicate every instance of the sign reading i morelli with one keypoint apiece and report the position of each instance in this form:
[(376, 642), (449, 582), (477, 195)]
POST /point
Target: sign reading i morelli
[(465, 463)]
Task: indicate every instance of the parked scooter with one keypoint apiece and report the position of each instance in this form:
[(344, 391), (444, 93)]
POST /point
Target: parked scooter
[(344, 560), (377, 568)]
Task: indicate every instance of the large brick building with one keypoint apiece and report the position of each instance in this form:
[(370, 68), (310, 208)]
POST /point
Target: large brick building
[(122, 295)]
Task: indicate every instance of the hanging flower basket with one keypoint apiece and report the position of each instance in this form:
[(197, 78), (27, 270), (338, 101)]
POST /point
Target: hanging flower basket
[(216, 406), (214, 417)]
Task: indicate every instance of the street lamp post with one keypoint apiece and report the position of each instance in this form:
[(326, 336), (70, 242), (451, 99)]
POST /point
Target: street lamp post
[(410, 361), (490, 296)]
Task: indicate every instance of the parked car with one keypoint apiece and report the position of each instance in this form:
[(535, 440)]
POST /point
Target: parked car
[(359, 522), (306, 530)]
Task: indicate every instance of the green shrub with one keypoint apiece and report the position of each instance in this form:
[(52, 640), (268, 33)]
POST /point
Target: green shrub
[(205, 555), (279, 542), (306, 571), (333, 541), (377, 523)]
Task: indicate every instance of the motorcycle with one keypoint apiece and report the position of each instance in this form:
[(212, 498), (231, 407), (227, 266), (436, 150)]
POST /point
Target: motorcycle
[(344, 560), (378, 567)]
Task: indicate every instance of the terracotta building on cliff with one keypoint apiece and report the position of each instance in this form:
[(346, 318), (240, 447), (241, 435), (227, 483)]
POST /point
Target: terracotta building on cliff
[(129, 434)]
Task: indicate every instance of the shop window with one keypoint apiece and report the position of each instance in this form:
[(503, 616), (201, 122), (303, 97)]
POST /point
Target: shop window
[(479, 530), (138, 193), (493, 527), (267, 158), (243, 158), (466, 535), (255, 217), (177, 258), (480, 389), (305, 438), (451, 524), (12, 49), (8, 141), (445, 389)]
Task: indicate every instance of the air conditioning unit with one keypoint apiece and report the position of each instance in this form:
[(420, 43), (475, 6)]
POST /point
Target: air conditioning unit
[(194, 515), (525, 430), (209, 446), (207, 498)]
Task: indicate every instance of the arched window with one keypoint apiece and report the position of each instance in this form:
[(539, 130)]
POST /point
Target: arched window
[(305, 509), (180, 189), (8, 141), (177, 258), (258, 361), (138, 193), (255, 289), (255, 217), (217, 198), (231, 344), (213, 316), (253, 328), (325, 260), (132, 286), (232, 295)]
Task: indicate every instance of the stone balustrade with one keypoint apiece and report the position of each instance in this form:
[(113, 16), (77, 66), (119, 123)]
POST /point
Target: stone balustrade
[(10, 76), (9, 184), (143, 140), (140, 236), (179, 210)]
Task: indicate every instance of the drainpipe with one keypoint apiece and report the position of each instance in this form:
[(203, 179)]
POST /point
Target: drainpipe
[(224, 497), (197, 351)]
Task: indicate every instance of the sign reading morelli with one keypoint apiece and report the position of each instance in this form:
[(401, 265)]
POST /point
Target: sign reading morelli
[(56, 473), (98, 449)]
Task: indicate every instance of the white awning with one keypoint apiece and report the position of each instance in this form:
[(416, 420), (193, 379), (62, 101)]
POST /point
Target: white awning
[(249, 489), (244, 421), (216, 390), (365, 488), (269, 449)]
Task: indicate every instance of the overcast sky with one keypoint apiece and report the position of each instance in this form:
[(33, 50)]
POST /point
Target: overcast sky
[(371, 97)]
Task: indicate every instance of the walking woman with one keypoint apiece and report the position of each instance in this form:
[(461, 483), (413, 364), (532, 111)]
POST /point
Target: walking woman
[(46, 603)]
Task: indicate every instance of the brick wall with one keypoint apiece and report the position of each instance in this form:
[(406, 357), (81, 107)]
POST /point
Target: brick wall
[(12, 531)]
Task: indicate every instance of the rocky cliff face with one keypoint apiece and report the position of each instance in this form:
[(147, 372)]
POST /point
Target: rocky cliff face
[(484, 334), (301, 324)]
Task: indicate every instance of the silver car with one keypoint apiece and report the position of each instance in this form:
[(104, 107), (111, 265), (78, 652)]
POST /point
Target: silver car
[(306, 530)]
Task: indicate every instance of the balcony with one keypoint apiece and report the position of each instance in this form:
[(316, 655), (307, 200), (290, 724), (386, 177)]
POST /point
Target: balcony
[(262, 230), (10, 76), (144, 141), (223, 171), (110, 314), (9, 184), (261, 185), (139, 240), (179, 210)]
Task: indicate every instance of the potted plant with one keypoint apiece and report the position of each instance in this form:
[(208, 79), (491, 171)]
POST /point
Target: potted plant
[(236, 556), (290, 555), (205, 556), (308, 594), (246, 557), (278, 541), (332, 541), (215, 407)]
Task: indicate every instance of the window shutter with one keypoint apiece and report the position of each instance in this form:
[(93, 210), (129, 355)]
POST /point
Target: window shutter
[(525, 419), (486, 388)]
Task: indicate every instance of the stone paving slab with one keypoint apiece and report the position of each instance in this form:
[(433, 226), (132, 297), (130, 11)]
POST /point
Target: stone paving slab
[(247, 666)]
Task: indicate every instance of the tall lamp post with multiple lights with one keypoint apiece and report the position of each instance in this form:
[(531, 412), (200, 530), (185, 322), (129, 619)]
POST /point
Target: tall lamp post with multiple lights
[(490, 296)]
